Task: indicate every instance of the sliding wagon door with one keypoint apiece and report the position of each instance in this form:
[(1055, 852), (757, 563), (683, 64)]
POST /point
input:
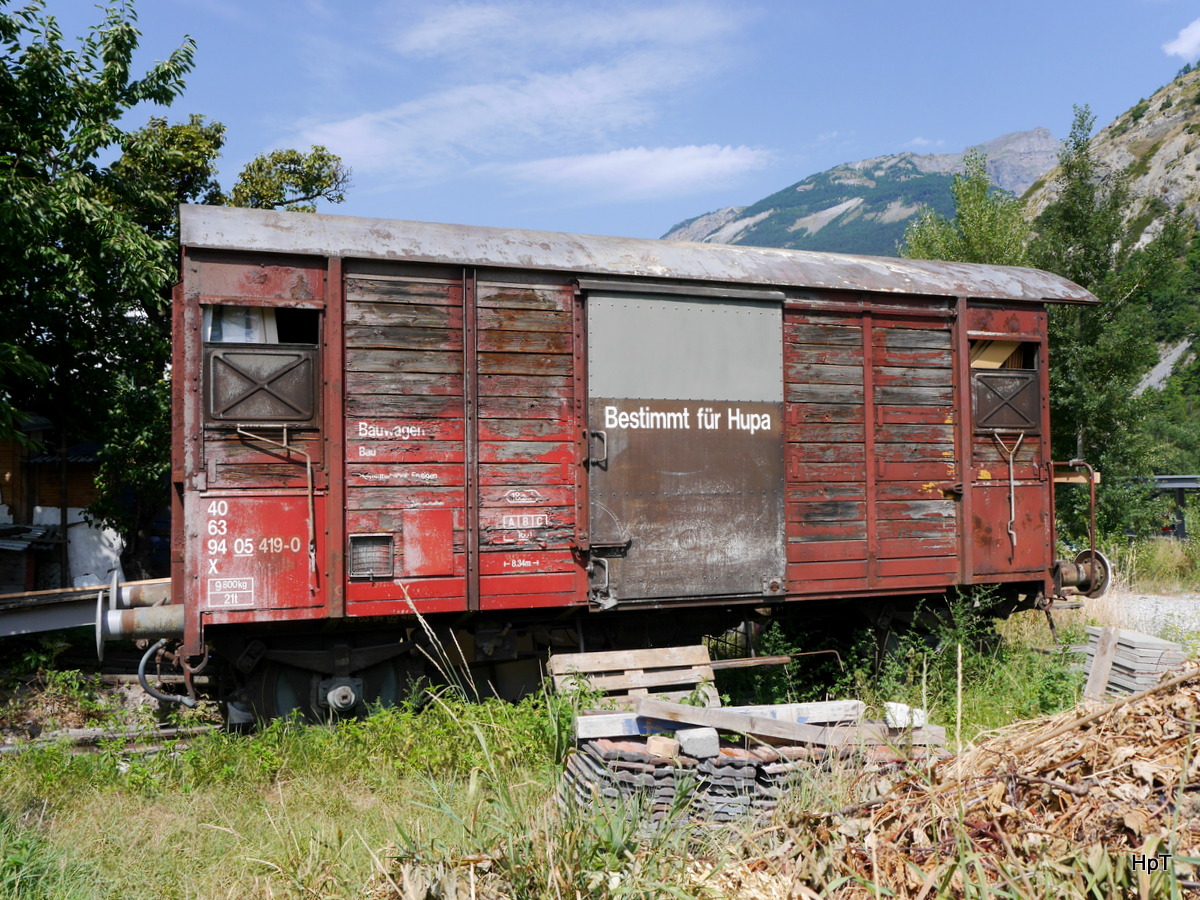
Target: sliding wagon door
[(685, 403)]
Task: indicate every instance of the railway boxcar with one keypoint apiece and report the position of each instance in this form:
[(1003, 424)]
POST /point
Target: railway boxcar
[(533, 438)]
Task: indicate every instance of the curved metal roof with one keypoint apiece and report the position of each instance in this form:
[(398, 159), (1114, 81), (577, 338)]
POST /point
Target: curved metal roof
[(268, 231)]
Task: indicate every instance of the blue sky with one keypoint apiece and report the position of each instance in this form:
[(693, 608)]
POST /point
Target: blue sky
[(618, 117)]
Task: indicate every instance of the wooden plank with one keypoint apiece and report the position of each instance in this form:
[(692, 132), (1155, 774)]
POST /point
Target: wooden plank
[(828, 453), (823, 354), (635, 679), (749, 662), (761, 726), (831, 432), (525, 430), (916, 509), (380, 290), (1097, 682), (419, 384), (525, 474), (939, 566), (914, 451), (825, 393), (403, 337), (804, 551), (629, 701), (808, 373), (501, 319), (915, 415), (410, 315), (916, 376), (799, 471), (614, 660), (550, 386), (823, 570), (524, 364), (826, 531), (620, 724), (526, 452), (824, 413), (909, 434), (843, 335), (903, 395), (822, 492), (913, 490), (911, 356), (911, 338), (525, 342), (521, 297), (831, 511), (400, 406), (513, 407), (431, 361)]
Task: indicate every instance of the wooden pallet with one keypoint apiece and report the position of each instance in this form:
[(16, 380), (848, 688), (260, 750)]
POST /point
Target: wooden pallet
[(622, 676)]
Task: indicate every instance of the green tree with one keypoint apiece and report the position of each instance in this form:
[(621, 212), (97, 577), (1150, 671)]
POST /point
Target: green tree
[(163, 166), (988, 225), (289, 179), (1098, 354), (89, 249)]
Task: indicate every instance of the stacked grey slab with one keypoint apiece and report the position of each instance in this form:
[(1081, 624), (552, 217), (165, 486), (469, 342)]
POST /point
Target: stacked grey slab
[(1137, 660), (733, 784)]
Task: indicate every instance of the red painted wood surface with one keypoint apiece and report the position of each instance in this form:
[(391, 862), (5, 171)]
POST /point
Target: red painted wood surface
[(870, 452), (405, 432), (527, 453)]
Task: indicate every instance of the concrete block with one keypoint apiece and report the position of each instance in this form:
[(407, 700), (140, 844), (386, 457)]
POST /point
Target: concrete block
[(900, 715), (702, 743)]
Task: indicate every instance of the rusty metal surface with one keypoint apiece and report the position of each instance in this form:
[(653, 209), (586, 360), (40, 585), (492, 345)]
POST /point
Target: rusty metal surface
[(686, 482), (324, 235), (261, 383), (252, 552), (1006, 400), (690, 513)]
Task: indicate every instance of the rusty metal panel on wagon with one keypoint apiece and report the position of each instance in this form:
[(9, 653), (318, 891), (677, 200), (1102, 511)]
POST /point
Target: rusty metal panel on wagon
[(685, 402), (255, 552)]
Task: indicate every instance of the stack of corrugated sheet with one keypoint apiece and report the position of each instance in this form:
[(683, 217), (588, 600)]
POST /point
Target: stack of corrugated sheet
[(1120, 661)]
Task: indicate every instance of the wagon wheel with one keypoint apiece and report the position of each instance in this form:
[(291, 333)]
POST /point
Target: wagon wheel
[(277, 690)]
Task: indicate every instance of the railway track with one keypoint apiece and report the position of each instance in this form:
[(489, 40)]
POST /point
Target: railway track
[(94, 740)]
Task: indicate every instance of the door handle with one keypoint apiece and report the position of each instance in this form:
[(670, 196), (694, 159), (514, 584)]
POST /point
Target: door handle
[(599, 460)]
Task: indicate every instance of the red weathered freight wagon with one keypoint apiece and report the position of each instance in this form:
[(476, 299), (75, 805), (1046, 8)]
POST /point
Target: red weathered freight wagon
[(535, 439)]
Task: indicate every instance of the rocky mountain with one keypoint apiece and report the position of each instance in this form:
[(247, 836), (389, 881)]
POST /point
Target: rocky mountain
[(1158, 141), (864, 207)]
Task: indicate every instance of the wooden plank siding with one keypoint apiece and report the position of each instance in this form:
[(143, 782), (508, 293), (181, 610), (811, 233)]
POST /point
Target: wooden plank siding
[(526, 449), (870, 440), (405, 469)]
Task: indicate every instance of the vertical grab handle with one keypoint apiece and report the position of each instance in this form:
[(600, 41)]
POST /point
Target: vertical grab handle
[(603, 587), (599, 460)]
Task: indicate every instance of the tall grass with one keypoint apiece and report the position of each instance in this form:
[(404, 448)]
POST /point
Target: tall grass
[(1157, 565), (445, 797)]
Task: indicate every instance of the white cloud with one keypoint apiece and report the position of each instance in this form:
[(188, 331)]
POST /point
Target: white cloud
[(921, 143), (534, 29), (1186, 44), (521, 80), (480, 122), (642, 172)]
